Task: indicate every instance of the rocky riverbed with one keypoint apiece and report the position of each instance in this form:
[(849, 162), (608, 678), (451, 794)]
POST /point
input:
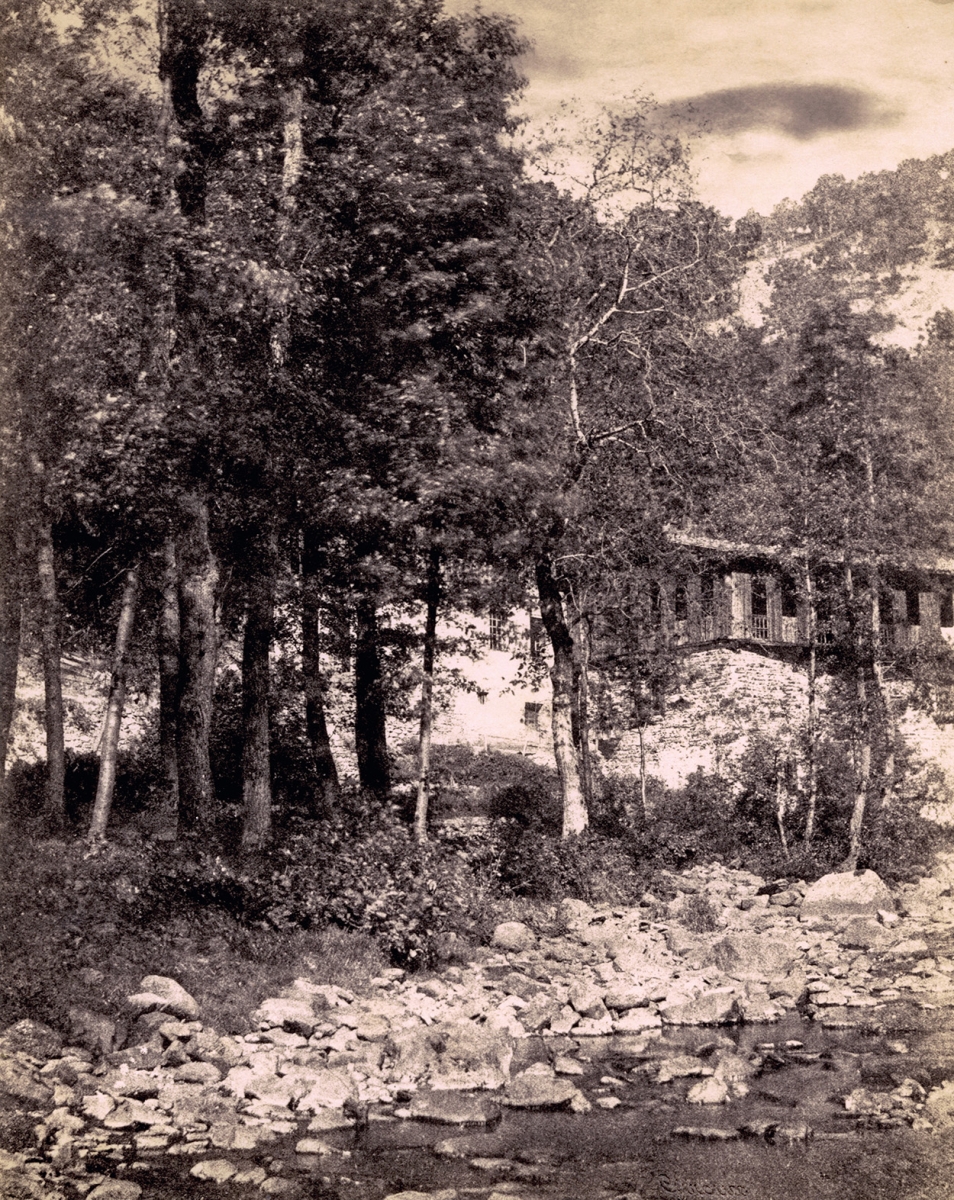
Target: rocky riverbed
[(657, 1010)]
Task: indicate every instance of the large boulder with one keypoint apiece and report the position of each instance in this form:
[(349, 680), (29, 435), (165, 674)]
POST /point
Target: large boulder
[(513, 936), (158, 992), (92, 1030), (847, 894), (750, 956), (453, 1056)]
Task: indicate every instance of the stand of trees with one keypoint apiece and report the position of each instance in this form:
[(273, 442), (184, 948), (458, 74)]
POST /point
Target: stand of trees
[(295, 330)]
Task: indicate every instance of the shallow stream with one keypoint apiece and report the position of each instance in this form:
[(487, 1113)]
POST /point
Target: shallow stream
[(799, 1141)]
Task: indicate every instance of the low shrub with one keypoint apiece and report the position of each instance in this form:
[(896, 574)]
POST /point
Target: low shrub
[(590, 867)]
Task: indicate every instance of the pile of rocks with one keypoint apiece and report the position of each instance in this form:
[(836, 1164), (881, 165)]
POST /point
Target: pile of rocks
[(726, 948)]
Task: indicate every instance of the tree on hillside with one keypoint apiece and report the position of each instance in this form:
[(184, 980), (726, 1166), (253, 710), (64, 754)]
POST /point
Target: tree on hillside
[(624, 284)]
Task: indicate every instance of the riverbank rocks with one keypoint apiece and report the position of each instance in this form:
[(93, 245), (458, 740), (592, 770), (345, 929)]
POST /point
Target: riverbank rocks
[(847, 894), (578, 1005)]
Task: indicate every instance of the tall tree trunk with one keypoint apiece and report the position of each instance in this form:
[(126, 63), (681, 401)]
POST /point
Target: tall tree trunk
[(811, 731), (643, 791), (327, 788), (198, 577), (256, 752), (575, 818), (887, 775), (433, 597), (370, 731), (583, 717), (52, 677), (11, 604), (863, 717), (167, 638), (114, 709)]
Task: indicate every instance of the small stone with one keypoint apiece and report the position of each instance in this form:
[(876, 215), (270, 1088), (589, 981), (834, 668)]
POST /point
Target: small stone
[(708, 1091), (98, 1106), (567, 1066), (313, 1146), (197, 1072), (608, 1102), (706, 1133), (91, 1030), (215, 1170), (535, 1091), (637, 1020)]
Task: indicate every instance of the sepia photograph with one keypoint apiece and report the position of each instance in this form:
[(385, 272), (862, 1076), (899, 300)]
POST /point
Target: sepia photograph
[(476, 599)]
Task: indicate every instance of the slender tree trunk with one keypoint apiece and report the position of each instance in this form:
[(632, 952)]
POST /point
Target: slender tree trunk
[(863, 762), (812, 718), (114, 709), (781, 806), (52, 677), (886, 785), (583, 709), (11, 604), (370, 731), (575, 817), (326, 773), (433, 594), (198, 577), (643, 791), (256, 753), (167, 638)]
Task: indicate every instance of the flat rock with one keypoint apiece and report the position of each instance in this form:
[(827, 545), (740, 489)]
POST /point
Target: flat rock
[(847, 894), (453, 1108), (295, 1016), (537, 1091), (623, 997), (864, 933), (637, 1020), (513, 936), (197, 1072), (720, 1006), (314, 1146), (215, 1170), (706, 1133)]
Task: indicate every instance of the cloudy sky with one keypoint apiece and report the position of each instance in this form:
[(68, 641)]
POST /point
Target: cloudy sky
[(790, 89)]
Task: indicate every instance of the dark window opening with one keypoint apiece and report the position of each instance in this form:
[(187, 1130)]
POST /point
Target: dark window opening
[(655, 605), (886, 608), (680, 602), (496, 630), (947, 610), (538, 637), (789, 597), (531, 715), (912, 606), (760, 627), (707, 594)]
